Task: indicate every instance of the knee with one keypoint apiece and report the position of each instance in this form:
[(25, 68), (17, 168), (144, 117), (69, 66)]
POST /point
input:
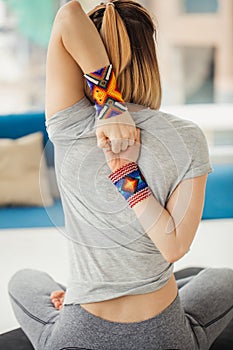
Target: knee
[(227, 273), (20, 280), (224, 271), (222, 275)]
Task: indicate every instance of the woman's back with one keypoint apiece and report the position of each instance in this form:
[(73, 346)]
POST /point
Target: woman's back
[(117, 251), (110, 255)]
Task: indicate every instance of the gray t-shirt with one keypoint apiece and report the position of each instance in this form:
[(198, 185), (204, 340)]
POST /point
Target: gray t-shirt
[(109, 253)]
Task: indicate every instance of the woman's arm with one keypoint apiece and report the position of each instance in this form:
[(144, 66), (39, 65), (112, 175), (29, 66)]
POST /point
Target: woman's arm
[(172, 229), (76, 48)]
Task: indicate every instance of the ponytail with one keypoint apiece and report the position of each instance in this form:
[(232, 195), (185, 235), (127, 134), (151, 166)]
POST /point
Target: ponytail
[(128, 33), (115, 39)]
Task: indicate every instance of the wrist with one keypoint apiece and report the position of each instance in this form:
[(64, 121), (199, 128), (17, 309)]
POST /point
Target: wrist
[(131, 183), (121, 164), (108, 99)]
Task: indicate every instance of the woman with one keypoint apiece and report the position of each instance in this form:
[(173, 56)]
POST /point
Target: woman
[(132, 205)]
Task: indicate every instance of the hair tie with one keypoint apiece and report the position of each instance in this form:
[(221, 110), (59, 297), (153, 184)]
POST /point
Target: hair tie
[(109, 3)]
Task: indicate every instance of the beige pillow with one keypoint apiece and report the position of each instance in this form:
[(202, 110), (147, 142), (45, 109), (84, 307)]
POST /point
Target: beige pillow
[(23, 172)]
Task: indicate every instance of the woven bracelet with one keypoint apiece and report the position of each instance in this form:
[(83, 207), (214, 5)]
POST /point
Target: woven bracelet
[(106, 95), (131, 183)]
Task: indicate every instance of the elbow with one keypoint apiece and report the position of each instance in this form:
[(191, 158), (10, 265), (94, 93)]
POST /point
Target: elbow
[(174, 256), (69, 10), (68, 16), (171, 258)]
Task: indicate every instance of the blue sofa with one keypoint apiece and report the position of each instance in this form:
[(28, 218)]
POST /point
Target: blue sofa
[(15, 126), (219, 190)]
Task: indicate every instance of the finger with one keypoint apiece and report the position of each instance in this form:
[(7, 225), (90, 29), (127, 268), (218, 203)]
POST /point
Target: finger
[(57, 304), (54, 300), (133, 133), (138, 135), (53, 295), (124, 145), (116, 145), (107, 147), (99, 134), (102, 140), (103, 143), (56, 293), (133, 136), (131, 142)]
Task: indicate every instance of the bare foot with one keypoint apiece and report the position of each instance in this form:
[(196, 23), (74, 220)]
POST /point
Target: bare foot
[(57, 298)]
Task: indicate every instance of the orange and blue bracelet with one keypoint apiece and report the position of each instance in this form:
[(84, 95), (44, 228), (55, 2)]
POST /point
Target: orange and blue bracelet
[(131, 183), (108, 99)]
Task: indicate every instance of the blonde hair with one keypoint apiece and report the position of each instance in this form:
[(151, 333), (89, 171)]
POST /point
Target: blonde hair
[(129, 36)]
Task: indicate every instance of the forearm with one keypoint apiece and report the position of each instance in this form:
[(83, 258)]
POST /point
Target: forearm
[(155, 220), (172, 229), (81, 38), (159, 226)]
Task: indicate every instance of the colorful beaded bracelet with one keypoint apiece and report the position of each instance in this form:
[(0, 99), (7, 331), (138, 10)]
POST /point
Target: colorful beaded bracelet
[(131, 183), (108, 99)]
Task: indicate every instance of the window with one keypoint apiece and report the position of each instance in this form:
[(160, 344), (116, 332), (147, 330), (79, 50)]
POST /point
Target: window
[(223, 137), (23, 46), (200, 6), (198, 86)]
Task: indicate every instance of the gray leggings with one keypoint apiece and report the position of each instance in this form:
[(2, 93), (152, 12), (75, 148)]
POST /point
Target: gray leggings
[(201, 310)]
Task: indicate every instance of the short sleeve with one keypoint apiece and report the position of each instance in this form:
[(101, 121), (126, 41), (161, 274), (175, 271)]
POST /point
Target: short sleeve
[(200, 159), (69, 123)]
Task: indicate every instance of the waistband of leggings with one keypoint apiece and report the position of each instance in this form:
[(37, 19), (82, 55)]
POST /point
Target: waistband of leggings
[(96, 321)]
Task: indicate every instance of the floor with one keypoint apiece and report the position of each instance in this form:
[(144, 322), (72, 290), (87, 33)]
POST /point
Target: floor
[(20, 248)]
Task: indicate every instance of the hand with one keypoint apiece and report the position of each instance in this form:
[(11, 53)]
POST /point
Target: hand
[(116, 133), (116, 161), (57, 298)]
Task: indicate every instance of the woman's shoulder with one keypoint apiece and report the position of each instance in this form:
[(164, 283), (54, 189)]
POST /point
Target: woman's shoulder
[(195, 142), (176, 130), (81, 107), (162, 120), (187, 128), (177, 121), (61, 124)]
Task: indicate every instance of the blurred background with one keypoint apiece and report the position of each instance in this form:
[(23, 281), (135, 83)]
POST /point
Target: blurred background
[(195, 52), (195, 49)]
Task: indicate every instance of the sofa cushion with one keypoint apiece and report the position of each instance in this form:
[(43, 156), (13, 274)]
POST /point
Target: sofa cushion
[(23, 172), (18, 125), (219, 193)]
